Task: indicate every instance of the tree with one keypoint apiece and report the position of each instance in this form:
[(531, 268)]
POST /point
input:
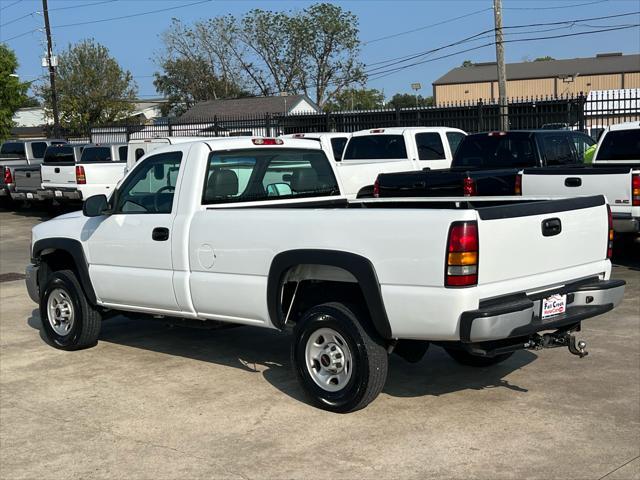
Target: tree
[(312, 51), (13, 93), (356, 99), (544, 59), (92, 88), (30, 102), (406, 100), (467, 63)]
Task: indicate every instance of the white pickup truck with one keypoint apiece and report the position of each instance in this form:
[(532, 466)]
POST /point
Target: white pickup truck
[(332, 142), (99, 169), (615, 173), (369, 153), (259, 232)]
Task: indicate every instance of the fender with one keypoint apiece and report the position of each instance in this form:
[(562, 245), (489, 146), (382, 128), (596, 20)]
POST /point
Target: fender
[(360, 267), (73, 248)]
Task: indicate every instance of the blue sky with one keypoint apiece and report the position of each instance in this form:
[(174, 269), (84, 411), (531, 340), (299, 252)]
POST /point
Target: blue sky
[(135, 41)]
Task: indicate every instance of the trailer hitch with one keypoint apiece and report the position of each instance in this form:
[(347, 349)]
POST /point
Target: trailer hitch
[(559, 338)]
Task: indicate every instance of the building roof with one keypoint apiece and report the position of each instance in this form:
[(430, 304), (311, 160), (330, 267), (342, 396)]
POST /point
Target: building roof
[(246, 106), (598, 65)]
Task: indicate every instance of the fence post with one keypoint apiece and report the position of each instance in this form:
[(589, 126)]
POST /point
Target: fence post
[(398, 123), (169, 127), (480, 116), (580, 111), (215, 125), (327, 122), (267, 124)]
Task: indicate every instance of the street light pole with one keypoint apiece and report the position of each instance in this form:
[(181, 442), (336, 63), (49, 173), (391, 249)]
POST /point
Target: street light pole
[(52, 72), (502, 71)]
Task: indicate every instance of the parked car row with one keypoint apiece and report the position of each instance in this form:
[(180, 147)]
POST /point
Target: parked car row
[(269, 232)]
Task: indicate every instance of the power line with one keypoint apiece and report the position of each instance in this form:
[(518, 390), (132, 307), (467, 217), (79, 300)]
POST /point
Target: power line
[(58, 8), (557, 7), (394, 35), (10, 5)]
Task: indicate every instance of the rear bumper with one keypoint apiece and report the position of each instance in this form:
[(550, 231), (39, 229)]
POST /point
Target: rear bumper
[(63, 194), (29, 195), (625, 223), (31, 279), (518, 316)]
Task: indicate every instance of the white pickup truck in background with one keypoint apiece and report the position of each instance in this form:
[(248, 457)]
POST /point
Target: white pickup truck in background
[(369, 153), (615, 173), (332, 142), (99, 169), (259, 231)]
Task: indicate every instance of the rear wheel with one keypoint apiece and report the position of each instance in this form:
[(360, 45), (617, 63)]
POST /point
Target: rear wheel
[(68, 320), (340, 362), (465, 358)]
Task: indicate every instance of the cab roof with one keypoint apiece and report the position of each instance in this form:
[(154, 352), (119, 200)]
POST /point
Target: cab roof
[(402, 130)]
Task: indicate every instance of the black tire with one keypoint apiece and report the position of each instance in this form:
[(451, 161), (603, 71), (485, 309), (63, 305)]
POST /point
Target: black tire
[(465, 358), (368, 354), (85, 328)]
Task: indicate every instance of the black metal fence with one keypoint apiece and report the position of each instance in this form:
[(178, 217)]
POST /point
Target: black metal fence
[(590, 113)]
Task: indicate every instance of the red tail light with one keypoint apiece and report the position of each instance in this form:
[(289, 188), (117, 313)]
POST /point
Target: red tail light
[(469, 187), (81, 179), (609, 233), (267, 141), (376, 188), (8, 178), (462, 255), (518, 186), (635, 190)]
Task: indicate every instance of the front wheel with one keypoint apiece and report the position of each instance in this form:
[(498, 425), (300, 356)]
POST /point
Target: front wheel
[(69, 321), (465, 358), (340, 362)]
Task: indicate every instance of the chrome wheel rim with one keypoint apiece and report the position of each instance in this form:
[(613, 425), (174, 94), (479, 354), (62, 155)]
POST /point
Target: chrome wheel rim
[(60, 312), (328, 359)]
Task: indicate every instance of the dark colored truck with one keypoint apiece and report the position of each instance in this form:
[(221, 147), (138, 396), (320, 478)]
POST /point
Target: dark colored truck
[(487, 164)]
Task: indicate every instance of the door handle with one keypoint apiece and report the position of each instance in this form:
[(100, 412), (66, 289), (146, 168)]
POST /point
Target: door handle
[(572, 182), (551, 227), (160, 234)]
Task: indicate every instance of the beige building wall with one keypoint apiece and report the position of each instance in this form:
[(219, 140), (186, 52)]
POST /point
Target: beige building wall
[(539, 87)]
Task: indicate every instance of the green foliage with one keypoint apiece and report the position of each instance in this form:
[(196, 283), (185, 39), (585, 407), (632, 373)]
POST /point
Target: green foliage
[(356, 99), (406, 100), (30, 102), (313, 51), (13, 93), (92, 88), (467, 63), (544, 59)]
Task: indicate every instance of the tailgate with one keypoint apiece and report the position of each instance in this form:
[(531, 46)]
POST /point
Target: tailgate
[(528, 239), (27, 178), (61, 176), (613, 183)]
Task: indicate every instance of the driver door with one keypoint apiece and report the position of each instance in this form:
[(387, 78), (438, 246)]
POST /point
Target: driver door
[(130, 249)]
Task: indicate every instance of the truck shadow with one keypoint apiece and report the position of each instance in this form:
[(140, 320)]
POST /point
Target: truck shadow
[(267, 352), (626, 252)]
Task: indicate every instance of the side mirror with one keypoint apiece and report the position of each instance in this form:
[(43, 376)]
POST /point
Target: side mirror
[(95, 206)]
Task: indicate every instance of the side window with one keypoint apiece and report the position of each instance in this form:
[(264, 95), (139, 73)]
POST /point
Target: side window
[(582, 142), (338, 144), (558, 149), (455, 139), (122, 153), (430, 146), (139, 153), (253, 175), (38, 148), (151, 187)]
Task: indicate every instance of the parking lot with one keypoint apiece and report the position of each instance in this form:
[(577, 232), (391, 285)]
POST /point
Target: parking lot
[(154, 401)]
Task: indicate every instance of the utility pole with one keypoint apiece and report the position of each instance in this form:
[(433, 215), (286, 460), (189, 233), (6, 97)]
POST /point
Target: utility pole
[(502, 71), (52, 72)]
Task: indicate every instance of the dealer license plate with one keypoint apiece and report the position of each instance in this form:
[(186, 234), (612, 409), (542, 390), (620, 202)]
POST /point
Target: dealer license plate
[(553, 305), (57, 193)]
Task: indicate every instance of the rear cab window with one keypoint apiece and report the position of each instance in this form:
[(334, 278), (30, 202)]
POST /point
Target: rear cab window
[(558, 149), (96, 154), (620, 145), (455, 139), (38, 149), (376, 147), (511, 150), (430, 146), (337, 145), (59, 155), (267, 174)]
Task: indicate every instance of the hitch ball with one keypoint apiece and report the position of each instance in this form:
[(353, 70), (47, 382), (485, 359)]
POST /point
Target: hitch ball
[(582, 345)]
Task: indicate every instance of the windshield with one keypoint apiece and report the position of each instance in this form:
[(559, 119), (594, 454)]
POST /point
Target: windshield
[(59, 155), (513, 150), (268, 174), (620, 145), (12, 148), (96, 154)]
